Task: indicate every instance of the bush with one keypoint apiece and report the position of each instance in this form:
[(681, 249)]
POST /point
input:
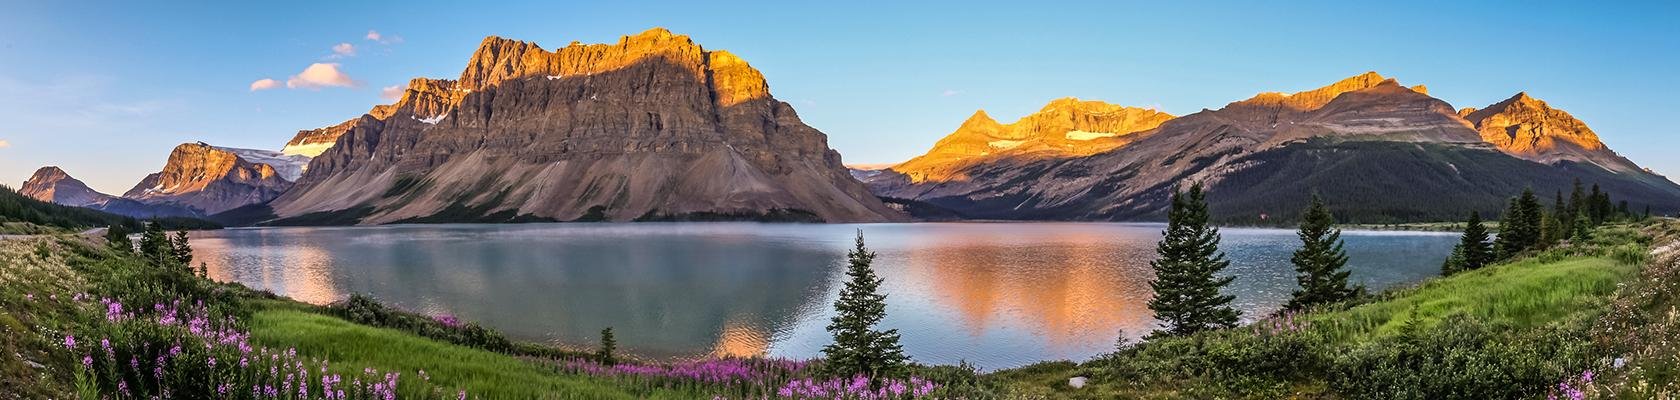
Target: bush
[(1461, 358), (367, 311)]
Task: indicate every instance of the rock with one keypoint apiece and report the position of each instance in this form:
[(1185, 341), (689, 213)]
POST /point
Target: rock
[(1390, 130), (651, 126), (209, 180), (52, 184), (1528, 128), (1065, 127)]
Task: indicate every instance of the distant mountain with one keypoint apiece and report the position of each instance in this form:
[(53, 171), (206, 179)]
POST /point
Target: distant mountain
[(210, 179), (1377, 150), (652, 127), (53, 185), (1066, 127)]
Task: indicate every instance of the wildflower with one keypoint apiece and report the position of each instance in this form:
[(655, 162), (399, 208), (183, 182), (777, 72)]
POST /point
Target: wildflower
[(87, 361), (70, 342)]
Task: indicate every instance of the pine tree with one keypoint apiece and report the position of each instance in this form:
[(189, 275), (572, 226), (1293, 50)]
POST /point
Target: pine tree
[(1561, 212), (116, 237), (1647, 215), (1583, 229), (1187, 286), (1455, 261), (181, 249), (1577, 201), (1320, 260), (859, 349), (1598, 205), (1473, 248), (1622, 210), (608, 346), (1519, 230), (156, 247)]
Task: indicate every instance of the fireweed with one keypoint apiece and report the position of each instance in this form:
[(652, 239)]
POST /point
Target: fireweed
[(185, 349)]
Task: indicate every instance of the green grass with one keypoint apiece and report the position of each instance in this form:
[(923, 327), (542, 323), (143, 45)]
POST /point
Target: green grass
[(482, 373), (1527, 293)]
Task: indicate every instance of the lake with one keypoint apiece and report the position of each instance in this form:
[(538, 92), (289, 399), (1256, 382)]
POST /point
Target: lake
[(997, 295)]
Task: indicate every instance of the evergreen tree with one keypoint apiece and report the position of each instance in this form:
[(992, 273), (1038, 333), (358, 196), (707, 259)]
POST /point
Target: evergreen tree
[(1473, 249), (608, 346), (156, 247), (1598, 205), (859, 349), (1577, 201), (1647, 215), (1583, 229), (180, 249), (1187, 286), (1561, 213), (116, 237), (1520, 229), (1455, 261), (1622, 210), (1320, 260)]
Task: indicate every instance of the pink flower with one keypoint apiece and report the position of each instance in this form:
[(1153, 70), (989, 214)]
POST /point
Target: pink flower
[(69, 342)]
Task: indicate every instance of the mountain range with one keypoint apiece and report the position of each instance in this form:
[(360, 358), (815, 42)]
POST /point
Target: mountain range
[(1377, 150), (657, 127)]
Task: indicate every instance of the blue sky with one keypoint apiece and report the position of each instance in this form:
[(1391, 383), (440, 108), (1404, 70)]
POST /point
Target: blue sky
[(106, 90)]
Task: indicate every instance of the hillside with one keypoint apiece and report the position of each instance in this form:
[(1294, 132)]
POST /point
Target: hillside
[(1385, 152), (652, 127)]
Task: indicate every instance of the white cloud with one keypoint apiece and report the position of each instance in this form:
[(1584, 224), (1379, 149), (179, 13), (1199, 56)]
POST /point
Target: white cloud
[(264, 84), (392, 93), (382, 38), (5, 144), (950, 92), (344, 50), (320, 75)]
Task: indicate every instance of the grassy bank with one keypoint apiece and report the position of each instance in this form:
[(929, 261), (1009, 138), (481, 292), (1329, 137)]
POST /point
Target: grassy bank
[(1531, 327)]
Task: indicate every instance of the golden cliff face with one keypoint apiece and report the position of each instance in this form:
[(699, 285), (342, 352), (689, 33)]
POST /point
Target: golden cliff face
[(650, 126), (210, 180), (1067, 127), (1526, 127)]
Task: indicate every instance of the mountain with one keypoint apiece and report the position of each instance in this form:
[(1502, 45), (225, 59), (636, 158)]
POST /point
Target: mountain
[(651, 127), (1376, 150), (53, 185), (1066, 127), (1528, 128), (210, 179)]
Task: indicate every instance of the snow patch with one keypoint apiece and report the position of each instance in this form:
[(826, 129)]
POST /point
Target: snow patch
[(306, 150), (1005, 144), (1085, 135), (289, 166), (433, 120)]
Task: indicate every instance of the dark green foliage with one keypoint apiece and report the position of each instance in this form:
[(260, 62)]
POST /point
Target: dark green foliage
[(608, 345), (1388, 182), (1520, 229), (771, 215), (181, 249), (1187, 283), (1461, 358), (116, 237), (157, 248), (859, 349), (1320, 260), (16, 207), (365, 310), (1473, 250), (348, 216)]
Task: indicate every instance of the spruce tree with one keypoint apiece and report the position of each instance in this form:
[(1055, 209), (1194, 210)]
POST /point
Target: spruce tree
[(1455, 261), (1473, 249), (859, 349), (1647, 215), (1510, 231), (608, 346), (1187, 283), (116, 237), (1320, 260), (156, 247), (1577, 201), (181, 249), (1583, 229)]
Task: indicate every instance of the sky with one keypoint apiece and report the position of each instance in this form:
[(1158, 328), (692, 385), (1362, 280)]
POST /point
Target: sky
[(106, 89)]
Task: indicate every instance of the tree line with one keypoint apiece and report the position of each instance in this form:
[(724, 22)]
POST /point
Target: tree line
[(1528, 226)]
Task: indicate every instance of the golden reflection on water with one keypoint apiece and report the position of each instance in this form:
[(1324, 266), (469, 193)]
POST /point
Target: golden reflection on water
[(738, 339), (1071, 289), (298, 270)]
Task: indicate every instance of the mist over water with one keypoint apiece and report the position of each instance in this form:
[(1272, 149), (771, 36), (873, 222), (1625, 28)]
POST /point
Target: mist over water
[(998, 295)]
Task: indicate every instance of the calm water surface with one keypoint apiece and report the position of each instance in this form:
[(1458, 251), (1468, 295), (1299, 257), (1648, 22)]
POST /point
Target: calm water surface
[(998, 295)]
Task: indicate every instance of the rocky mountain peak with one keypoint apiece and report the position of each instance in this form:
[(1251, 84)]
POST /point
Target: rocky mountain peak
[(52, 184), (210, 180), (1527, 127), (1315, 98), (1063, 127)]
